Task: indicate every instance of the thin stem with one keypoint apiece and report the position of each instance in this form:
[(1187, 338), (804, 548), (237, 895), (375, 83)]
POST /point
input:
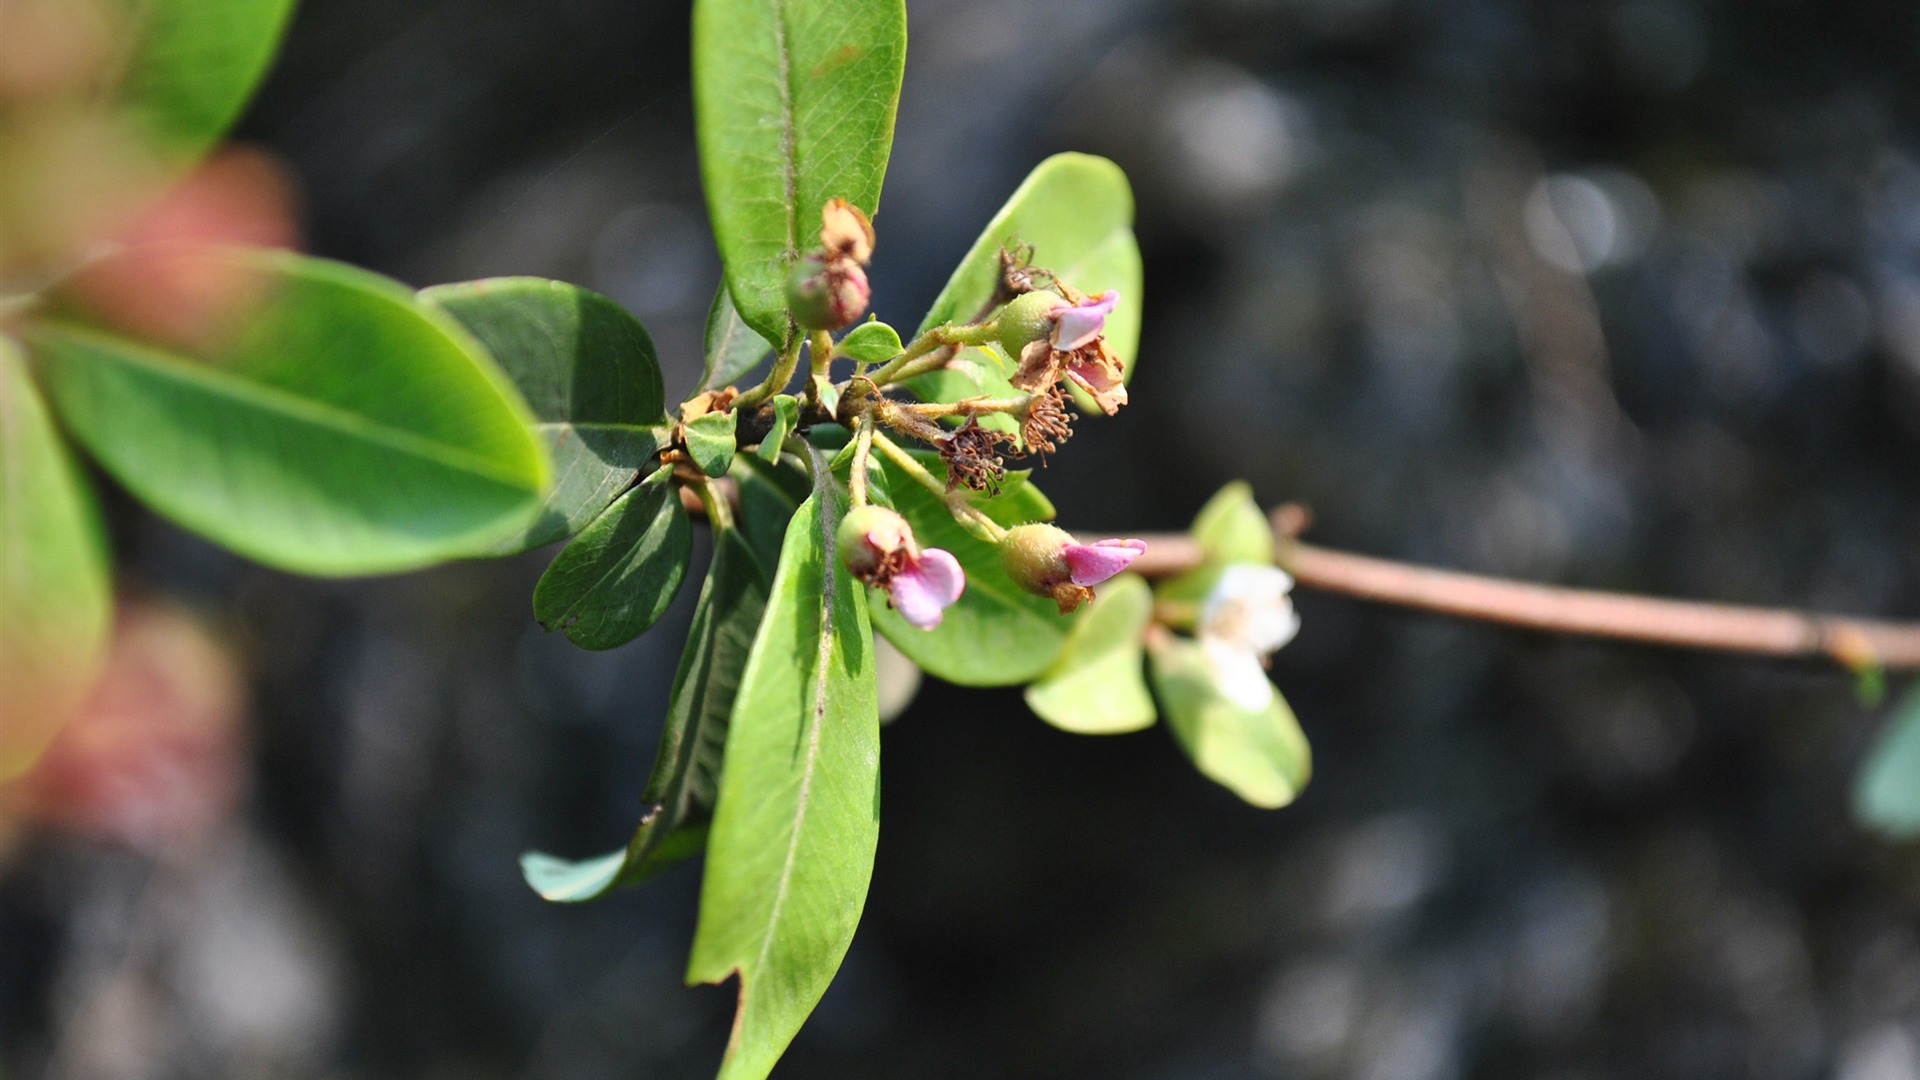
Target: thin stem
[(776, 381), (820, 352), (719, 511), (965, 513), (977, 406), (862, 453), (937, 338), (1857, 644)]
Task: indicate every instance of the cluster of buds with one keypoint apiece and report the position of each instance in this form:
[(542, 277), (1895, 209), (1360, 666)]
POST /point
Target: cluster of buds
[(1061, 334), (877, 547), (827, 289), (1051, 563)]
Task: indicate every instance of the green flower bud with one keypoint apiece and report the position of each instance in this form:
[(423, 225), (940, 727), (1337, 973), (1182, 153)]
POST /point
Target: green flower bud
[(827, 294), (1027, 319), (1031, 555)]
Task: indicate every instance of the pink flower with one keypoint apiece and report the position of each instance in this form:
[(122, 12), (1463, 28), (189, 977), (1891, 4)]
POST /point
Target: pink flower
[(1076, 325), (924, 588), (1091, 564)]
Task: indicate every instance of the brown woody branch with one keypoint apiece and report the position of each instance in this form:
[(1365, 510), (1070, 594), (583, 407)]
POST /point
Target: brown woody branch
[(1857, 644)]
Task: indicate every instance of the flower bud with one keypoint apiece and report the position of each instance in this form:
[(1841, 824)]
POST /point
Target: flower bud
[(869, 537), (1026, 319), (827, 294), (1051, 563)]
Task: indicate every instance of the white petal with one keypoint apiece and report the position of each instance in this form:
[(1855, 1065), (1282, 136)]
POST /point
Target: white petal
[(1238, 676), (1249, 608)]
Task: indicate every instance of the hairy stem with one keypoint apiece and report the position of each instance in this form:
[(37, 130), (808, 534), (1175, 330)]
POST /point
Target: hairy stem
[(776, 381), (939, 337), (968, 515)]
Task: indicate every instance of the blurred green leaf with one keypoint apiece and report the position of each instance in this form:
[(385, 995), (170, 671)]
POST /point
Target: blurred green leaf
[(1260, 755), (871, 343), (732, 346), (1886, 793), (791, 850), (333, 425), (997, 634), (193, 65), (786, 413), (1230, 529), (794, 103), (588, 370), (1077, 212), (711, 439), (1098, 686), (686, 773), (617, 577), (55, 601)]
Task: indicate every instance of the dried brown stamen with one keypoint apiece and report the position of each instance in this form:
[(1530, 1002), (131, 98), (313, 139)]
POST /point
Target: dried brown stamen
[(972, 456)]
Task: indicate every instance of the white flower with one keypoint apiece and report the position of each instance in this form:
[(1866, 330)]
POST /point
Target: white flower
[(1244, 619)]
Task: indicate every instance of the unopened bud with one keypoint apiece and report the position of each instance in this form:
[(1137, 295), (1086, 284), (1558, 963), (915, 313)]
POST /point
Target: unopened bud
[(826, 294), (1027, 319), (1031, 555), (869, 537)]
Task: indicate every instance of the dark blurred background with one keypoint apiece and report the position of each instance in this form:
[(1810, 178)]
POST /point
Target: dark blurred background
[(1623, 294)]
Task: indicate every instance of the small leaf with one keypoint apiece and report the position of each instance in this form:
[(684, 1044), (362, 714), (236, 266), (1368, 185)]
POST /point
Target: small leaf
[(55, 604), (686, 772), (790, 853), (193, 65), (871, 343), (1229, 529), (1886, 793), (710, 440), (1077, 212), (786, 413), (732, 347), (1097, 686), (1258, 754), (997, 634), (335, 425), (794, 104), (617, 577), (588, 370)]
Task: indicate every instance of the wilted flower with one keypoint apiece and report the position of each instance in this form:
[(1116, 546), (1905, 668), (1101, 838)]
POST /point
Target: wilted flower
[(1047, 424), (1063, 335), (877, 546), (972, 456), (1245, 618), (828, 289), (1051, 563)]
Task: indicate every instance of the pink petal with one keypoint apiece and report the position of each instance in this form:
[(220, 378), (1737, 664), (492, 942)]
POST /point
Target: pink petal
[(923, 591), (1080, 324), (1091, 564)]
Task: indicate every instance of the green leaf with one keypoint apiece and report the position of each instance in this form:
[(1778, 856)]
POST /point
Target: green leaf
[(997, 634), (794, 103), (1886, 794), (1097, 686), (791, 850), (55, 602), (1259, 754), (193, 65), (732, 346), (1077, 212), (686, 773), (588, 370), (871, 343), (1229, 529), (786, 413), (769, 494), (339, 426), (618, 576), (710, 440)]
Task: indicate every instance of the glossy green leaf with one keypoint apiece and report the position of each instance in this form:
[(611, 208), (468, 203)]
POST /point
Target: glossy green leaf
[(769, 495), (686, 773), (617, 577), (711, 439), (1260, 755), (786, 413), (1098, 686), (794, 103), (733, 348), (871, 343), (1886, 794), (1076, 211), (193, 65), (588, 370), (998, 634), (55, 604), (790, 853), (336, 426)]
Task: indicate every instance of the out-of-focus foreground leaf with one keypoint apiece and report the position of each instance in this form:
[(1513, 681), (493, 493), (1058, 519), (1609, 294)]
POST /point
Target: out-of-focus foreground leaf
[(193, 65), (1258, 754), (1099, 686)]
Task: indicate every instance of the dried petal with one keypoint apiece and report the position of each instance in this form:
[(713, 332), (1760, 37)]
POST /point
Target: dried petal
[(846, 232)]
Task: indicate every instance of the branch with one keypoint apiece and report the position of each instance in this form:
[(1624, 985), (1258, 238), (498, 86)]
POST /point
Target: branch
[(1857, 644)]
